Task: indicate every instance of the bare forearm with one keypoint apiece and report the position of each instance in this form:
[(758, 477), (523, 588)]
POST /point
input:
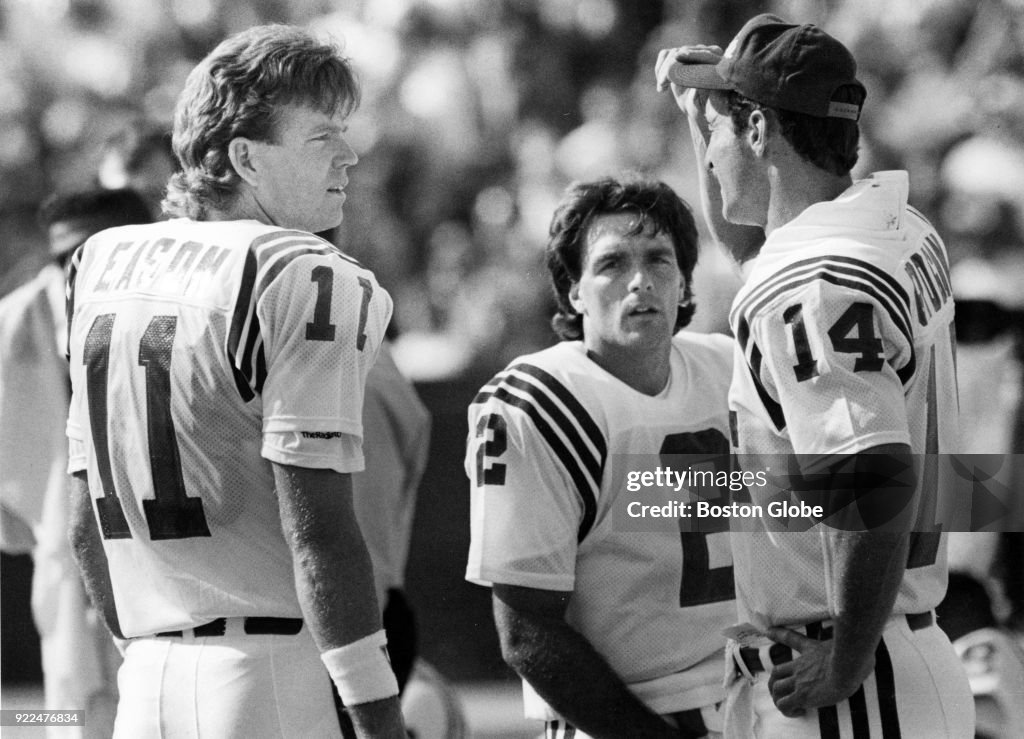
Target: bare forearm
[(868, 569), (546, 652), (334, 579), (867, 566), (864, 569), (334, 583), (87, 549), (333, 571)]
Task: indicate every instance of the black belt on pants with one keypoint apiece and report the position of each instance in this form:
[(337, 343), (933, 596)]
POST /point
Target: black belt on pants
[(690, 723), (780, 653), (252, 625)]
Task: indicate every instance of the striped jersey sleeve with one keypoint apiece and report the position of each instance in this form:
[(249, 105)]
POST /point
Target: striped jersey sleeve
[(305, 330), (77, 411), (829, 339), (535, 459), (69, 306), (268, 256)]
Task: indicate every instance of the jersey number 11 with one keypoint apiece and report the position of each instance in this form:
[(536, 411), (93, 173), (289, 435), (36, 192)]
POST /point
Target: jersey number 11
[(171, 513)]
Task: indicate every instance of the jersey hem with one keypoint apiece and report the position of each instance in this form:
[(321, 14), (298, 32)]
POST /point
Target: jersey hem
[(277, 424), (314, 461), (820, 461), (488, 577)]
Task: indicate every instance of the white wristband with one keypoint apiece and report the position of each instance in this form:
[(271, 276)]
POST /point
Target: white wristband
[(361, 670)]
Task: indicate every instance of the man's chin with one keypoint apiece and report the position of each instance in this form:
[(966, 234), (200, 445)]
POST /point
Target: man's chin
[(327, 225), (649, 333)]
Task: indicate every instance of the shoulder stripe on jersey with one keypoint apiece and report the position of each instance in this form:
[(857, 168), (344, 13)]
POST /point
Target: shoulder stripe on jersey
[(842, 277), (886, 684), (774, 409), (902, 321), (571, 403), (923, 218), (583, 485), (538, 395), (306, 237), (239, 321), (881, 277), (261, 367), (844, 270), (592, 463), (754, 363), (267, 257), (69, 295)]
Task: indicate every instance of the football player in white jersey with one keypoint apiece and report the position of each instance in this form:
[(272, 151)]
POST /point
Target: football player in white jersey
[(615, 632), (79, 659), (844, 368), (218, 363), (396, 441)]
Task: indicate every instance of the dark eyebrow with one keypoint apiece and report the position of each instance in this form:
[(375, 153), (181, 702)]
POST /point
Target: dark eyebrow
[(608, 255), (327, 127), (661, 248)]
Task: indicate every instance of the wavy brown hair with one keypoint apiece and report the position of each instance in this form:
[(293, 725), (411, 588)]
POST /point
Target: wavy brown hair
[(658, 207), (238, 90)]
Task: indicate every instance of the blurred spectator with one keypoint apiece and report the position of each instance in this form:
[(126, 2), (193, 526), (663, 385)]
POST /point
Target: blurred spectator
[(981, 185), (396, 439), (475, 117), (71, 219), (468, 103), (78, 656), (139, 156)]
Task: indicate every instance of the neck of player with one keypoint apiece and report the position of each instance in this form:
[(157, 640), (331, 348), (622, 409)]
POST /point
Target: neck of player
[(644, 367), (795, 185)]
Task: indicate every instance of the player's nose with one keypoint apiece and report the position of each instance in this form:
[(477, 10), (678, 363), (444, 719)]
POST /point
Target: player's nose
[(345, 156), (641, 279)]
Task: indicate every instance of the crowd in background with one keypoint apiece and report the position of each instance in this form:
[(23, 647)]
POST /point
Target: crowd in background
[(475, 115)]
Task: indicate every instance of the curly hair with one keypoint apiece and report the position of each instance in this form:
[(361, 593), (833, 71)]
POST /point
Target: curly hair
[(238, 90), (828, 143), (657, 205)]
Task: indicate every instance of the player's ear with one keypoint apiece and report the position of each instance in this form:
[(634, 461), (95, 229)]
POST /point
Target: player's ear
[(243, 155), (574, 298), (757, 132)]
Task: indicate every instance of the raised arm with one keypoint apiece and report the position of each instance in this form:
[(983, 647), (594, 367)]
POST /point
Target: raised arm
[(538, 644), (334, 582)]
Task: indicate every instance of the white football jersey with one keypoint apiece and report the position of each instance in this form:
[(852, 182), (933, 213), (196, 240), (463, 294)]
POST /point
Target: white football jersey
[(200, 352), (396, 439), (551, 440), (845, 341)]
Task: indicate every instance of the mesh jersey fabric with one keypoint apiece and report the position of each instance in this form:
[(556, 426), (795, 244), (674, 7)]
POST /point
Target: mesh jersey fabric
[(844, 342), (200, 352), (551, 441), (396, 440)]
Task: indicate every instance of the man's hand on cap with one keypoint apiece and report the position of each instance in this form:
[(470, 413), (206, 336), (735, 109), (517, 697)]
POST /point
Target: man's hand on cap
[(693, 54), (691, 101)]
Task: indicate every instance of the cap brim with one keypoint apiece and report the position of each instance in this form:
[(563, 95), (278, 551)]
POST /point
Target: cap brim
[(701, 76)]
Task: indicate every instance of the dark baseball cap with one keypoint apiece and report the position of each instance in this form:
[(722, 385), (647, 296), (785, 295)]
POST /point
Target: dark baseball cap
[(781, 65)]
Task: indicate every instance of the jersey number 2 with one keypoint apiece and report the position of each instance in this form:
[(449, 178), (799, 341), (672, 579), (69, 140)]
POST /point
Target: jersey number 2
[(489, 472), (171, 514)]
